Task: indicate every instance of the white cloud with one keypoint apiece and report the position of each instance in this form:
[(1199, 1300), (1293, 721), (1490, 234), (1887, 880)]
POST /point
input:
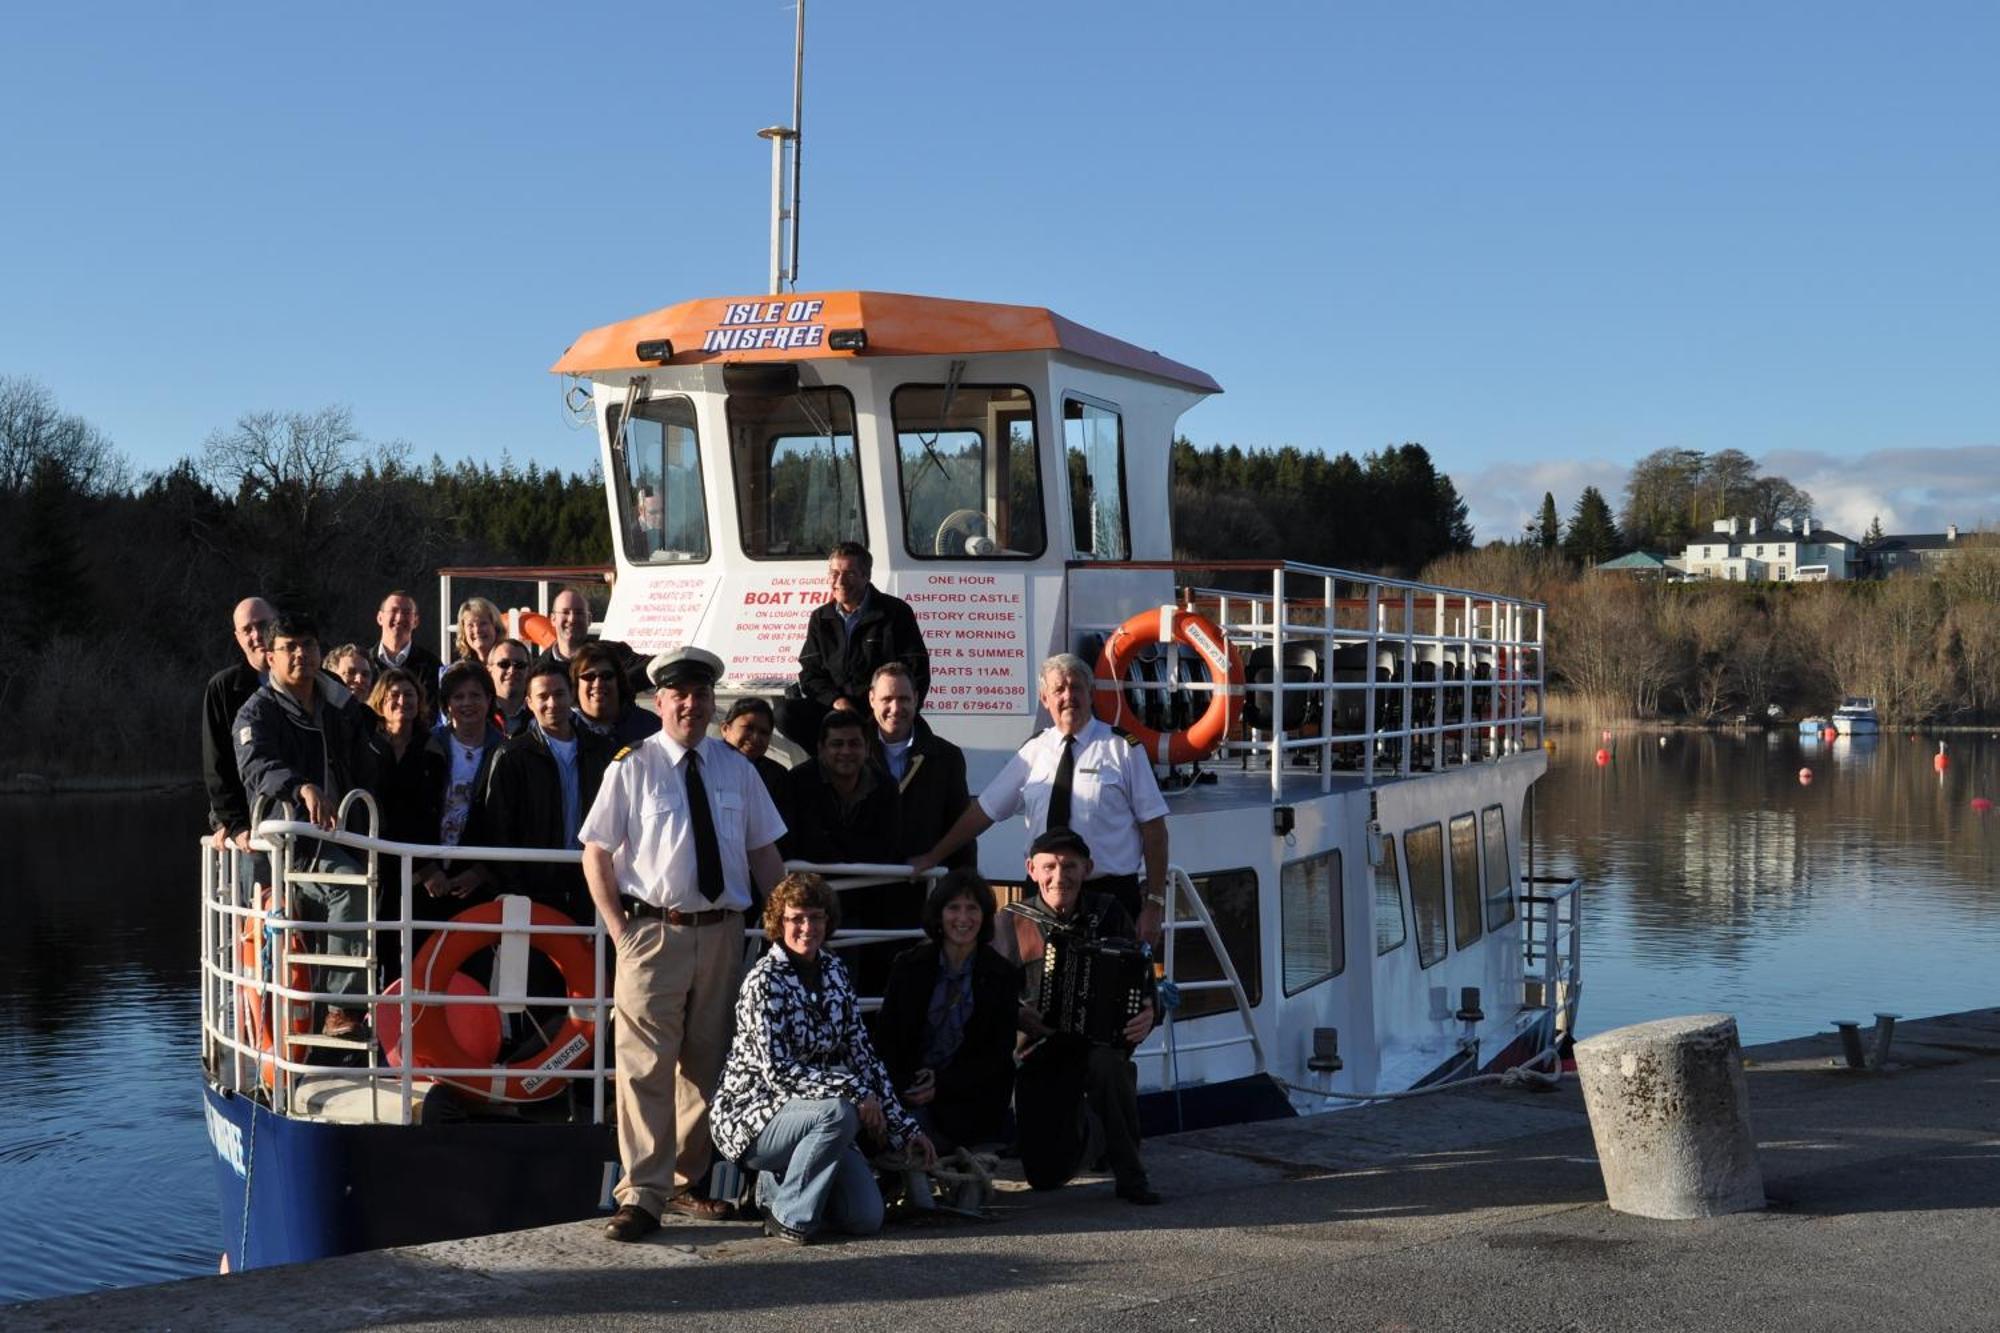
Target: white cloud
[(1504, 498)]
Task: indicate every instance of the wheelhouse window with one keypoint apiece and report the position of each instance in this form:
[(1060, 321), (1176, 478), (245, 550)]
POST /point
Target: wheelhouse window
[(1094, 445), (1390, 928), (1499, 868), (1231, 897), (797, 470), (1465, 897), (1309, 897), (656, 472), (1423, 851), (971, 477)]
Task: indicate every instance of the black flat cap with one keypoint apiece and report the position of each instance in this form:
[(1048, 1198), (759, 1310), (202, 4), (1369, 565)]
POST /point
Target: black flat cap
[(1060, 840)]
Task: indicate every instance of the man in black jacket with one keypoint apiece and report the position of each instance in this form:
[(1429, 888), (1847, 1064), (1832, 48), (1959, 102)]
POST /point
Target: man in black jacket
[(540, 786), (399, 621), (299, 740), (927, 770), (221, 699), (859, 629)]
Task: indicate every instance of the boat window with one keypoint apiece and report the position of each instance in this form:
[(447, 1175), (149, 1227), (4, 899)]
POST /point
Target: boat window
[(1231, 898), (1465, 896), (1423, 852), (1499, 868), (1390, 928), (971, 477), (1309, 897), (1094, 444), (656, 474), (798, 472)]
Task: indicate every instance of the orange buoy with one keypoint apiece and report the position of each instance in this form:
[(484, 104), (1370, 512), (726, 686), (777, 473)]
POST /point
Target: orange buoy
[(1603, 758), (533, 628), (1940, 761), (1805, 777), (1171, 624), (1830, 734)]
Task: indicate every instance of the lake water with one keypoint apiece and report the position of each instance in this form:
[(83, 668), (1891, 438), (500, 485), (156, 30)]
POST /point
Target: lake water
[(1717, 882)]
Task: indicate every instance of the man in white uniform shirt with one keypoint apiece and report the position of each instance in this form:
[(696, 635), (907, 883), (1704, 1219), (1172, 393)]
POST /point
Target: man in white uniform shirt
[(680, 833), (1081, 775)]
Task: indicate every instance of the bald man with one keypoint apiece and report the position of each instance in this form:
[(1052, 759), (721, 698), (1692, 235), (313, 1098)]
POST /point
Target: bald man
[(226, 692)]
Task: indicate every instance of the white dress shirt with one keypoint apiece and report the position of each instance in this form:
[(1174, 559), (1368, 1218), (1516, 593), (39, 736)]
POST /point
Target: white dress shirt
[(1112, 792), (641, 818)]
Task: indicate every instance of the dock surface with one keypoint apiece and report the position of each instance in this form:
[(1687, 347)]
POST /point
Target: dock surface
[(1473, 1209)]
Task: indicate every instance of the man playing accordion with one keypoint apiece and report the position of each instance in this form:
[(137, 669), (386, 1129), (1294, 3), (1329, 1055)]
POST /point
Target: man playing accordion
[(1062, 1071)]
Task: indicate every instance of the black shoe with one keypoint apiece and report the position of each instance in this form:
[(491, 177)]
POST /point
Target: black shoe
[(631, 1222), (1139, 1192), (779, 1231)]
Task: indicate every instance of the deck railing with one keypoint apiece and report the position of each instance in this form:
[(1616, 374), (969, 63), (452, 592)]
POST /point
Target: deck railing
[(1552, 946), (544, 577), (1345, 671), (257, 962)]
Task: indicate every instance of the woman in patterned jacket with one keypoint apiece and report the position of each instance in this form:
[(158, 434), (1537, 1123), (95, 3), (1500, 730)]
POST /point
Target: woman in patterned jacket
[(803, 1086)]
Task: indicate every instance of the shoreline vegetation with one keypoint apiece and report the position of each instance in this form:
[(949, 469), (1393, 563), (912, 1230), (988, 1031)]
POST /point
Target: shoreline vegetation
[(117, 587)]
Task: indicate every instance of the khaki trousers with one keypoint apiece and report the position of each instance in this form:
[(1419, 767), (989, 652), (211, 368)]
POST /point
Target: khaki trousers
[(676, 986)]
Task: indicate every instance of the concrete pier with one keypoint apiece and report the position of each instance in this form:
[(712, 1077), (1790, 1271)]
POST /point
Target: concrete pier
[(1469, 1210)]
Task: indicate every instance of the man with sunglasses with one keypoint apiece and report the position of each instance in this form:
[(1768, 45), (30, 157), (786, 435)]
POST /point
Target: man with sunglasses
[(226, 693), (508, 665)]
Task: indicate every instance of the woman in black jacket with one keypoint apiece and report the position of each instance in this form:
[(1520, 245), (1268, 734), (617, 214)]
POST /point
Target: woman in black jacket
[(949, 1014)]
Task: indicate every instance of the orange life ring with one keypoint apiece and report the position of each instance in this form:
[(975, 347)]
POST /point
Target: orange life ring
[(253, 1003), (1171, 624), (432, 1042), (534, 628)]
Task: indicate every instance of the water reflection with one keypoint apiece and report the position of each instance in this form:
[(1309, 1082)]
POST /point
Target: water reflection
[(1720, 880)]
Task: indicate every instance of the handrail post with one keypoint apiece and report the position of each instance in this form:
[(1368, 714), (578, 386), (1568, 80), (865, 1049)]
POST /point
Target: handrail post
[(445, 622), (1277, 683), (405, 936)]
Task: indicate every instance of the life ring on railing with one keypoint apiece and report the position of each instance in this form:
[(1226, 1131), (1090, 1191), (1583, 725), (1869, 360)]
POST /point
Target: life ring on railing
[(253, 1003), (1171, 624), (533, 628), (432, 1042)]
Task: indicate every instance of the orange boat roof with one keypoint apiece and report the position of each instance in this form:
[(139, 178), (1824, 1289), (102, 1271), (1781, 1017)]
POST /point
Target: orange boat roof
[(796, 327)]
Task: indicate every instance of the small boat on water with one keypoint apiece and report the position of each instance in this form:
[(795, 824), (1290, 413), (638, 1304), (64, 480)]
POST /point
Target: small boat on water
[(1856, 716), (1347, 759), (1812, 726)]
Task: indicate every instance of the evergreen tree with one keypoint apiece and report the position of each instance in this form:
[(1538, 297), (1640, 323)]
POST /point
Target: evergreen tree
[(1593, 533), (1875, 533), (1548, 533)]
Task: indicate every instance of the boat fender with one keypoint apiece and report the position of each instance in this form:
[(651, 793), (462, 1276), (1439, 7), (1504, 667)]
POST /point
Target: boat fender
[(1171, 624)]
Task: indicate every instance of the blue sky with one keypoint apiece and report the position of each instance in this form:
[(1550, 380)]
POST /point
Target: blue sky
[(1541, 239)]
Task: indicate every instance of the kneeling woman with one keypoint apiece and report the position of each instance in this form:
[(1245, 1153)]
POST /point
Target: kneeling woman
[(949, 1016), (803, 1084)]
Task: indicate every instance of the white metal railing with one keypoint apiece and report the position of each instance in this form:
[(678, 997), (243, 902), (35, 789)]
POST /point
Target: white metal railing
[(1552, 945), (257, 996), (544, 577), (1164, 1043), (1436, 708)]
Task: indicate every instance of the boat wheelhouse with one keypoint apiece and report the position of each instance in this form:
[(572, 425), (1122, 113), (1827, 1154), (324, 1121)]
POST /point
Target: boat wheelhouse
[(1856, 716), (1347, 912)]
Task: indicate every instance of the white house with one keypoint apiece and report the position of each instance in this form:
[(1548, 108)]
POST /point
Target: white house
[(1789, 553)]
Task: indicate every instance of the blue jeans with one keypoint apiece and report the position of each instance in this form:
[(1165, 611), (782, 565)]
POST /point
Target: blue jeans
[(341, 904), (814, 1176)]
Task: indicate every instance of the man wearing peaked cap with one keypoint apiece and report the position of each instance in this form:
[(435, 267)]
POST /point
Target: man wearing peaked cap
[(680, 835)]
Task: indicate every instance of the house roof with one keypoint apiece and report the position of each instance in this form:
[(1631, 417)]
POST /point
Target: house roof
[(1915, 541), (1636, 560)]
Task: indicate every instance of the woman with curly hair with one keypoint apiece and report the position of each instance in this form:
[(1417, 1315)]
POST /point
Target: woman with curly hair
[(803, 1088)]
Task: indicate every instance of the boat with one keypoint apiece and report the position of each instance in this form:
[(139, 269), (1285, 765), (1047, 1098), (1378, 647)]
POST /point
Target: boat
[(1349, 914), (1813, 726), (1856, 716)]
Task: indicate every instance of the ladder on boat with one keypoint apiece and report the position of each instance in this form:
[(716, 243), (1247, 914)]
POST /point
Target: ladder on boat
[(1165, 1043)]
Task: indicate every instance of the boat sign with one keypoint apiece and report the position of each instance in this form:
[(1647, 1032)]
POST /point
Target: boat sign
[(227, 1138)]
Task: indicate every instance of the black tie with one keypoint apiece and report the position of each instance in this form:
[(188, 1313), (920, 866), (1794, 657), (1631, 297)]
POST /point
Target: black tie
[(707, 850), (1059, 793)]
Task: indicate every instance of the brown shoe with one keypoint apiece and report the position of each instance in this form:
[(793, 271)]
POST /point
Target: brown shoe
[(343, 1023), (693, 1205), (631, 1222)]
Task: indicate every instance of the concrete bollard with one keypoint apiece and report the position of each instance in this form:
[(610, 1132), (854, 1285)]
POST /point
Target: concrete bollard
[(1671, 1115)]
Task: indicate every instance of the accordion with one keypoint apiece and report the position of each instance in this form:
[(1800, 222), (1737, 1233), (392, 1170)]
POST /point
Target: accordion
[(1093, 988)]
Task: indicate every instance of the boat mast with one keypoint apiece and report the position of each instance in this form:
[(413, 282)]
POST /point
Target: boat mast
[(786, 138)]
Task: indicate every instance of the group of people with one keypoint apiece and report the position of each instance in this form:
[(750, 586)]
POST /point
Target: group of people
[(684, 835)]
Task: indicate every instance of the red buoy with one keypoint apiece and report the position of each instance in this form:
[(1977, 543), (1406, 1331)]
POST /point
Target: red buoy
[(1805, 777), (1940, 761), (1603, 758), (1981, 804), (1830, 734)]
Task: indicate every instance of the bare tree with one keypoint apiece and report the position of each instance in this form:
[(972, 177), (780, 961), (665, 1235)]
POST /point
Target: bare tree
[(34, 430)]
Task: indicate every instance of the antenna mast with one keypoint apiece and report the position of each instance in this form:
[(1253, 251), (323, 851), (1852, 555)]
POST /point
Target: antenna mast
[(784, 138)]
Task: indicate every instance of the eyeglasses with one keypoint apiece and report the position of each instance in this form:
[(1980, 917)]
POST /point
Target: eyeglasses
[(509, 663), (597, 677)]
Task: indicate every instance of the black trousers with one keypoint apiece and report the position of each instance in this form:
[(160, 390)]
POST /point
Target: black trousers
[(1054, 1083)]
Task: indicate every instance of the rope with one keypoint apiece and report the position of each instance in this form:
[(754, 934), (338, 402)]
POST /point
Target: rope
[(249, 1170), (1523, 1075), (950, 1175)]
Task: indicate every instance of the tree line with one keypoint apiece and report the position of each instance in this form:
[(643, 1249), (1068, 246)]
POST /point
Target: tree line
[(117, 587), (1671, 498)]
